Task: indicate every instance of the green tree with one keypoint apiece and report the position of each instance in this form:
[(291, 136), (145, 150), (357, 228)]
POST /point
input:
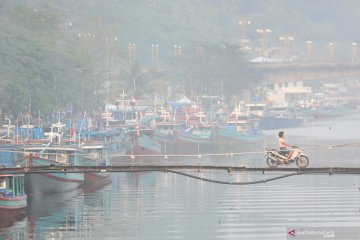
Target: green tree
[(214, 68), (38, 67)]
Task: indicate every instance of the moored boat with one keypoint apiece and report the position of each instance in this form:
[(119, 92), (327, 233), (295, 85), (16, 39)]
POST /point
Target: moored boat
[(199, 130), (12, 192), (145, 145), (95, 155), (50, 155), (241, 131), (199, 133), (117, 141), (279, 117), (243, 124), (328, 111), (164, 131)]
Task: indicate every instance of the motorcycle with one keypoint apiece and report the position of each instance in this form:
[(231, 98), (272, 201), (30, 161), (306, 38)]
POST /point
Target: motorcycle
[(274, 158)]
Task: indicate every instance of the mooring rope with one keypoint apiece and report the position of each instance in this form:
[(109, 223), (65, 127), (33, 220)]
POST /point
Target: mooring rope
[(231, 182)]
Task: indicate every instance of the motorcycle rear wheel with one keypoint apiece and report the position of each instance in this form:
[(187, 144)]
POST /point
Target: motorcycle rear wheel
[(271, 162), (302, 161)]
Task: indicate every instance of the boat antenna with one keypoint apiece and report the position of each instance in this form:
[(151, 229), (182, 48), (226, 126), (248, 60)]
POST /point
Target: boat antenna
[(40, 124), (82, 123)]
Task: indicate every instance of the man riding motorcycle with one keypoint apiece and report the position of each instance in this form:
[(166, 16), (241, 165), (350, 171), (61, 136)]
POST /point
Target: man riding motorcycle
[(290, 154)]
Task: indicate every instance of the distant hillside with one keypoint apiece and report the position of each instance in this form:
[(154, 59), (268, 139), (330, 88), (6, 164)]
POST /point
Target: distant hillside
[(60, 53), (210, 21)]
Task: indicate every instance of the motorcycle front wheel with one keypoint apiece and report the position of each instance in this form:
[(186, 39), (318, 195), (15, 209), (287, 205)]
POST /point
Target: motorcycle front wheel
[(271, 162), (302, 161)]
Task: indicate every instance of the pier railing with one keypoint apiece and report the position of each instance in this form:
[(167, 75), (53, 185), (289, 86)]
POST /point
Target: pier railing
[(339, 157)]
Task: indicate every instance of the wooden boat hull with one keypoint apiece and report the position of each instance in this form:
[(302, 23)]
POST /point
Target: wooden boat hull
[(95, 180), (162, 137), (234, 136), (146, 146), (12, 194), (194, 139), (12, 203), (52, 182), (8, 217)]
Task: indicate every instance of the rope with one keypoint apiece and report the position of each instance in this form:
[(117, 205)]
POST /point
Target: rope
[(233, 183)]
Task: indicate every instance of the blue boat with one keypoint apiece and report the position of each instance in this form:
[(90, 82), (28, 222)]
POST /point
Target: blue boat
[(123, 115), (327, 111), (243, 124), (50, 155), (12, 192), (164, 132), (117, 141), (280, 118), (199, 133), (95, 155), (145, 145), (165, 127), (241, 131)]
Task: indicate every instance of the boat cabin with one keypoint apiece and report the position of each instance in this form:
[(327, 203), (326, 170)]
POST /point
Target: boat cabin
[(96, 155), (256, 109), (47, 155), (168, 127), (202, 130), (11, 185)]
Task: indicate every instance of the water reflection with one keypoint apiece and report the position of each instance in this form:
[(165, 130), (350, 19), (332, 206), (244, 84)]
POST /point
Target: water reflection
[(168, 206), (159, 205), (10, 216)]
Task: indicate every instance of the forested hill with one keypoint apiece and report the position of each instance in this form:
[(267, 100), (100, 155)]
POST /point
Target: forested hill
[(57, 53), (180, 22)]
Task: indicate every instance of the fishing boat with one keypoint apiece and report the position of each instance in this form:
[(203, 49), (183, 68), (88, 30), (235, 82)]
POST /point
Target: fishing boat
[(125, 112), (55, 130), (12, 192), (242, 125), (198, 138), (255, 109), (95, 155), (164, 131), (165, 127), (327, 111), (279, 117), (241, 131), (145, 145), (197, 132), (13, 200), (109, 122), (7, 132), (50, 155), (117, 141)]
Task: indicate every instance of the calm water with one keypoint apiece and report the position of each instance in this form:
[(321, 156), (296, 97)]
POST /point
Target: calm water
[(155, 205)]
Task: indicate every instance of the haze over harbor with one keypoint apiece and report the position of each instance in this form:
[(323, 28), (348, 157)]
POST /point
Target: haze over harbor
[(193, 99)]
